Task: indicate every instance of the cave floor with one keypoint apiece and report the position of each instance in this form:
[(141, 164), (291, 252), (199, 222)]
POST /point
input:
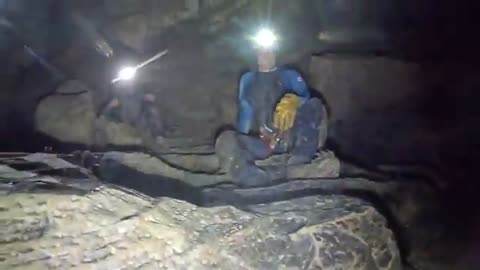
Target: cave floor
[(423, 232)]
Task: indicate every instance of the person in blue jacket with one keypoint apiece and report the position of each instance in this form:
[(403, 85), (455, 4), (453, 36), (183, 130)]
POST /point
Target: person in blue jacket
[(276, 114)]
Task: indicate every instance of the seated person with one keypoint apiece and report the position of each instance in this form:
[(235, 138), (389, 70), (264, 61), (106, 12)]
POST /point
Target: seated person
[(127, 104), (276, 115), (133, 106)]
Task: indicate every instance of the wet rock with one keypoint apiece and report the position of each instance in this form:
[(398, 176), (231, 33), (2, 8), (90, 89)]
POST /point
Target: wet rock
[(110, 228)]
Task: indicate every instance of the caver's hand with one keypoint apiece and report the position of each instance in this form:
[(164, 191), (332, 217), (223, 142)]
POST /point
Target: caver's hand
[(270, 139), (285, 112)]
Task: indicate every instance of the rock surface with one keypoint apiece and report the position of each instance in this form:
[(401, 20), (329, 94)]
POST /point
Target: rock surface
[(113, 229), (50, 186), (362, 97), (181, 168), (69, 116)]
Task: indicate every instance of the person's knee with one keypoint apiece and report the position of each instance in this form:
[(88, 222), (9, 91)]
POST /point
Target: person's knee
[(320, 110), (314, 105), (315, 102), (314, 121), (312, 111)]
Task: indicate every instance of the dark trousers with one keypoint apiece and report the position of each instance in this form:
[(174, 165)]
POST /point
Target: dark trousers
[(243, 150)]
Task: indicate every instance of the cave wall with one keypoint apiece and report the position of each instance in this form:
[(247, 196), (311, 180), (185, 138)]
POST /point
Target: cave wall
[(27, 17), (374, 107), (365, 22), (413, 102), (390, 111)]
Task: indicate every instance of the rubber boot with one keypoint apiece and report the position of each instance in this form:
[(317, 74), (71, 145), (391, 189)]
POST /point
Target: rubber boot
[(238, 153)]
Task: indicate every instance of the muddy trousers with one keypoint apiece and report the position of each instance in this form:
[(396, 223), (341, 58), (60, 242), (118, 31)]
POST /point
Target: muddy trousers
[(239, 152)]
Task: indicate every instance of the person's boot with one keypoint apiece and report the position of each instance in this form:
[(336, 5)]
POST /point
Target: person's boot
[(245, 174), (299, 160), (239, 162), (250, 175)]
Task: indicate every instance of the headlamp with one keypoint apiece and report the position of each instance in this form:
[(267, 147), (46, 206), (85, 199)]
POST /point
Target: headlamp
[(128, 73), (265, 39)]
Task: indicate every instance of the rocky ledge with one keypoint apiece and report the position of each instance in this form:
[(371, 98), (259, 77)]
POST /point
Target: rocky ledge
[(55, 224), (115, 229)]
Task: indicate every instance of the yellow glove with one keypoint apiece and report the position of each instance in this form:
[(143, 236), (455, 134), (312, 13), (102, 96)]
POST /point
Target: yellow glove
[(285, 112)]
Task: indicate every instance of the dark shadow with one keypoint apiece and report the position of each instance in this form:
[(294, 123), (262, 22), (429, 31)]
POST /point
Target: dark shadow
[(152, 185)]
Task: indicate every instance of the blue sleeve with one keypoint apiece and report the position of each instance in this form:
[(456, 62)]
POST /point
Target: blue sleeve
[(245, 110), (293, 81)]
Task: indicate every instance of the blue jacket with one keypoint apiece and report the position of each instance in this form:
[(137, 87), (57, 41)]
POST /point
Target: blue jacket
[(290, 81)]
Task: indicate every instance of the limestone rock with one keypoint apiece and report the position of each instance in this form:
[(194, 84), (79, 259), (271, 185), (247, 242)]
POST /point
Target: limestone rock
[(371, 118), (326, 165), (25, 173), (69, 115), (112, 229), (165, 172), (352, 23), (123, 7), (115, 133), (201, 170), (131, 30), (68, 118)]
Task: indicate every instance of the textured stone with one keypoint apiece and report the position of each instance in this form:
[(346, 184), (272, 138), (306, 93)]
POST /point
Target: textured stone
[(70, 119), (372, 119), (144, 166), (297, 234)]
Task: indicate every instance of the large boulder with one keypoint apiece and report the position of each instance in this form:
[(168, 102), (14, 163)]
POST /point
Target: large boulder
[(69, 115), (69, 118), (391, 111), (112, 229)]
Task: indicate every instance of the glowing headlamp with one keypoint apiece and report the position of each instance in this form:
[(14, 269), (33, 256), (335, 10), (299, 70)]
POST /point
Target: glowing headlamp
[(265, 39), (128, 73)]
